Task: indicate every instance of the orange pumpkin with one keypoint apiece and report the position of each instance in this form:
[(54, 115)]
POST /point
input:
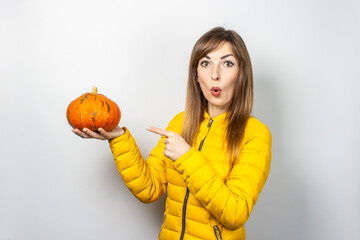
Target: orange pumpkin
[(93, 111)]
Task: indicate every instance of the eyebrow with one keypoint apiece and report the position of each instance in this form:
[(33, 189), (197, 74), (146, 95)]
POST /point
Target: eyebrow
[(221, 57)]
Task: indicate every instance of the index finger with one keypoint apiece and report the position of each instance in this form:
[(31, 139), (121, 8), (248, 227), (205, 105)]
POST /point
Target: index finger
[(159, 131)]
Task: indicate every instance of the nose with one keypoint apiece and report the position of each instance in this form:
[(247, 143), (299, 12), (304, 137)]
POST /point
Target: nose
[(215, 75)]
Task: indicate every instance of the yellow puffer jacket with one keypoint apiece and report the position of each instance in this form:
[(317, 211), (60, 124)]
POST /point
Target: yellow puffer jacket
[(207, 197)]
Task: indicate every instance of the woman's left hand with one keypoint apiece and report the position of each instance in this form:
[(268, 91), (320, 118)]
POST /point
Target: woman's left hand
[(175, 145)]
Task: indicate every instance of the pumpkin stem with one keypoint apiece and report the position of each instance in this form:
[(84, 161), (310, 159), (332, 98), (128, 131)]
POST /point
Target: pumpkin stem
[(94, 90)]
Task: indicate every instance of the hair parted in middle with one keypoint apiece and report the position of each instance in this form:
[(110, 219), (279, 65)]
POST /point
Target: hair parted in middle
[(242, 100)]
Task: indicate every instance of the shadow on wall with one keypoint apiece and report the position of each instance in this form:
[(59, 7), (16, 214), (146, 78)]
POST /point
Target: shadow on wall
[(280, 212), (131, 212), (157, 212)]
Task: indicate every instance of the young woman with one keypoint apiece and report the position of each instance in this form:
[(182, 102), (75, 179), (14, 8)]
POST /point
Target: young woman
[(213, 159)]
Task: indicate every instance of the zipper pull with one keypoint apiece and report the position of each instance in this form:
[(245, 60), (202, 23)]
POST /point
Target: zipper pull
[(210, 122)]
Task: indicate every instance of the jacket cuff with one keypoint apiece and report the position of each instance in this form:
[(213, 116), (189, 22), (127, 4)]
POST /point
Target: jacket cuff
[(189, 163), (121, 138)]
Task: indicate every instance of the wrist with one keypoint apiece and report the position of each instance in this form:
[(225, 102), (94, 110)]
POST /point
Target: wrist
[(122, 132), (118, 133)]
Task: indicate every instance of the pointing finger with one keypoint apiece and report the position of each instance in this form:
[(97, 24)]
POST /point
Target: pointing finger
[(159, 131)]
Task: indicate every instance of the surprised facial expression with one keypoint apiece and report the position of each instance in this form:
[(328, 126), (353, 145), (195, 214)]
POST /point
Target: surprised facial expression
[(217, 75)]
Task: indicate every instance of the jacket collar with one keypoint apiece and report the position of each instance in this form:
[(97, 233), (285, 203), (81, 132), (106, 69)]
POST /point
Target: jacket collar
[(218, 118)]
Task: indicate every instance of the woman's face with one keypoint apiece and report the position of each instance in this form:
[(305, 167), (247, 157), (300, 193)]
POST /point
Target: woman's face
[(217, 75)]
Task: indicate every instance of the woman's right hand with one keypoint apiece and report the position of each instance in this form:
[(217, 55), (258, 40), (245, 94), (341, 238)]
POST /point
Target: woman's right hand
[(102, 134)]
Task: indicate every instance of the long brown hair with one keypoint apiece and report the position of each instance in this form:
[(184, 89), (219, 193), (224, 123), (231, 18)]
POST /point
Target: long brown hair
[(242, 101)]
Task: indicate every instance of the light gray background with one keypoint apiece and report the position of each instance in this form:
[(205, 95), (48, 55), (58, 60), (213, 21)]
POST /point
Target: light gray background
[(55, 185)]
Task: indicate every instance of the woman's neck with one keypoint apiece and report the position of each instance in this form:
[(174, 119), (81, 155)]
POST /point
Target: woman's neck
[(214, 111)]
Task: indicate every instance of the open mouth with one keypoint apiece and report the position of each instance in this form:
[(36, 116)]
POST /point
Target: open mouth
[(215, 91)]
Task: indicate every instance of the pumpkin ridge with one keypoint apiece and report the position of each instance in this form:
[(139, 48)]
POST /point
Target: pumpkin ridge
[(81, 120), (93, 119), (108, 106)]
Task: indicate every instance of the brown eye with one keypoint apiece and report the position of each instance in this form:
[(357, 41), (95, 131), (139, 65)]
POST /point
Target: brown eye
[(229, 64), (204, 63)]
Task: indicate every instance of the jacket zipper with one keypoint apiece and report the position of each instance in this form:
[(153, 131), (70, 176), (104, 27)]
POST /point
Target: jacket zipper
[(217, 232), (187, 189)]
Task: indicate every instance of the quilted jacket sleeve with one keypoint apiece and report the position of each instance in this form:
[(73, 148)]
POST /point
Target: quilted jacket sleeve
[(145, 179), (230, 201)]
